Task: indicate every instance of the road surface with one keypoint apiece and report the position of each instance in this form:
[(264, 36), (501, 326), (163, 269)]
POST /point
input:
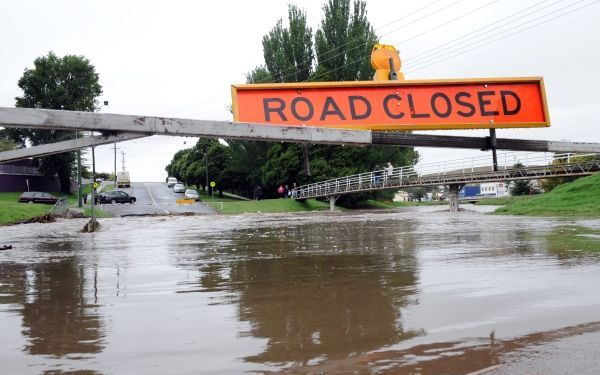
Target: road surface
[(155, 198)]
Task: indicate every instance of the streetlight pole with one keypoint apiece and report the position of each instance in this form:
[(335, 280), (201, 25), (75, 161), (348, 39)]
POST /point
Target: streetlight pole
[(207, 185), (79, 198)]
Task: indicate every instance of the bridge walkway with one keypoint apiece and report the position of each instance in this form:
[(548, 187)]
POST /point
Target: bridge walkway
[(534, 167)]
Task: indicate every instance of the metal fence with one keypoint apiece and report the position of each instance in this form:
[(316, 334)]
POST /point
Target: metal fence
[(60, 207), (19, 170), (461, 171)]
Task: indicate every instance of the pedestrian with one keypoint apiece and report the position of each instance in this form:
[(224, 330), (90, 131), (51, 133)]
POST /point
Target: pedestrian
[(259, 192), (281, 191), (255, 193), (377, 175), (389, 170), (288, 193)]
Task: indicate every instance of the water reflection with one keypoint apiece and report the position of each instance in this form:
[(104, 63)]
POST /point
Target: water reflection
[(57, 307), (319, 291)]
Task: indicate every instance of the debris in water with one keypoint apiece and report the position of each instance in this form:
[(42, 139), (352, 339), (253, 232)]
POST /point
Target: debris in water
[(91, 226)]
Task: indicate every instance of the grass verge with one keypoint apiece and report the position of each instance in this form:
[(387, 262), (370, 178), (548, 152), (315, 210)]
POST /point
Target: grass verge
[(502, 201), (577, 198), (268, 206), (12, 211), (373, 204)]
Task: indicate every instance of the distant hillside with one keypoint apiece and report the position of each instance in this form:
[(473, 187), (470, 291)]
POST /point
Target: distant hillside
[(577, 198)]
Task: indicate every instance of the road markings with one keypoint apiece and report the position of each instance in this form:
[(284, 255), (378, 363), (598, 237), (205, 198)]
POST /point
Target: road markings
[(152, 198)]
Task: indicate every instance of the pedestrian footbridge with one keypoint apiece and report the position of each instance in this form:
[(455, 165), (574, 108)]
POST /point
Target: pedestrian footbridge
[(455, 174)]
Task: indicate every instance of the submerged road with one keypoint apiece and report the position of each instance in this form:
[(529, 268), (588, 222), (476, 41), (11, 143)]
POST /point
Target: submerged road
[(417, 291), (155, 198)]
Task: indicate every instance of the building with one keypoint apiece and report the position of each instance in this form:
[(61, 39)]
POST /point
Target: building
[(21, 176)]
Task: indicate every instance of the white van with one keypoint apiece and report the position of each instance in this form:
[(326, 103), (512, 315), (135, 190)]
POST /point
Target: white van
[(171, 181), (123, 179)]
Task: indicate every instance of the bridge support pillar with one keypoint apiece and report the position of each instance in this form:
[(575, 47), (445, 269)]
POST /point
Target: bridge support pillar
[(332, 199), (453, 190)]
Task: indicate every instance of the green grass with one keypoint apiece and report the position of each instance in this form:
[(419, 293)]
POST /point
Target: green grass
[(12, 211), (373, 204), (206, 198), (570, 238), (502, 201), (268, 206), (577, 198), (87, 212)]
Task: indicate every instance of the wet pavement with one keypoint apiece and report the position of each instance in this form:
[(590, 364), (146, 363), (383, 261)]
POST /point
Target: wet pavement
[(155, 198), (417, 291)]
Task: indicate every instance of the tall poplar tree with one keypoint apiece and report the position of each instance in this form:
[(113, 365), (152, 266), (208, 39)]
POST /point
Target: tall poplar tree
[(344, 42)]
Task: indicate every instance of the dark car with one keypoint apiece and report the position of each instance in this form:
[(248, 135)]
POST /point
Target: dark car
[(38, 197), (115, 196)]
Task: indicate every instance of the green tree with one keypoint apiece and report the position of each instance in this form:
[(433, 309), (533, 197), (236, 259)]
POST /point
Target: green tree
[(6, 143), (344, 42), (288, 52), (519, 187), (61, 83)]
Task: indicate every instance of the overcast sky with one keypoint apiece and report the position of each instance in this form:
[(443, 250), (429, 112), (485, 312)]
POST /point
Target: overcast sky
[(179, 58)]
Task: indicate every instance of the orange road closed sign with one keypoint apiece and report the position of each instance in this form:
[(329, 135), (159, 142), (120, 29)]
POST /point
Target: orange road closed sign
[(397, 105)]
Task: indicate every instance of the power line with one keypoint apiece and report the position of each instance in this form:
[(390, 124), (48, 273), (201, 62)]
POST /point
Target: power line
[(521, 40), (500, 32), (448, 44), (429, 55), (213, 99), (505, 36), (421, 67)]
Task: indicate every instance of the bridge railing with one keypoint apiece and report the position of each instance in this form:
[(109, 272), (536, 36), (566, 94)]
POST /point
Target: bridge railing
[(426, 173)]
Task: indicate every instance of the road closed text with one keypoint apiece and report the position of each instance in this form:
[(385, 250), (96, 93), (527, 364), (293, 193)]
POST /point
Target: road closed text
[(395, 106)]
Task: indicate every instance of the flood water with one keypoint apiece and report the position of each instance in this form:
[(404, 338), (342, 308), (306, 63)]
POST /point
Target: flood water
[(416, 291)]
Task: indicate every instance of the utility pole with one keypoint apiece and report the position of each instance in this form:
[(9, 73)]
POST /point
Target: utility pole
[(79, 200), (122, 161), (93, 184), (115, 149)]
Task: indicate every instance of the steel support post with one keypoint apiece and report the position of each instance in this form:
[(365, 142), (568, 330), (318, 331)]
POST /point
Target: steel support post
[(79, 197), (493, 146), (93, 184)]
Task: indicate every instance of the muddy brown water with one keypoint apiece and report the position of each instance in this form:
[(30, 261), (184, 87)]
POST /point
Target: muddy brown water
[(417, 291)]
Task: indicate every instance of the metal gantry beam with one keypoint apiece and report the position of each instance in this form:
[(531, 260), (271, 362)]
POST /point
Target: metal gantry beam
[(73, 120), (147, 125), (481, 143), (64, 146)]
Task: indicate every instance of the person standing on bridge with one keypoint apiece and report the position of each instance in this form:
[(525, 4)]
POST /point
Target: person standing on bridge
[(388, 171), (377, 175)]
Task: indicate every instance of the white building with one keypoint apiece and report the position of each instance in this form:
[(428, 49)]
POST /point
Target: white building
[(494, 189), (401, 196)]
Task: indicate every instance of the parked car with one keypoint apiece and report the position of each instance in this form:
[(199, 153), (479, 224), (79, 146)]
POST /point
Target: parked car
[(191, 194), (171, 181), (37, 197), (179, 188), (115, 196)]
